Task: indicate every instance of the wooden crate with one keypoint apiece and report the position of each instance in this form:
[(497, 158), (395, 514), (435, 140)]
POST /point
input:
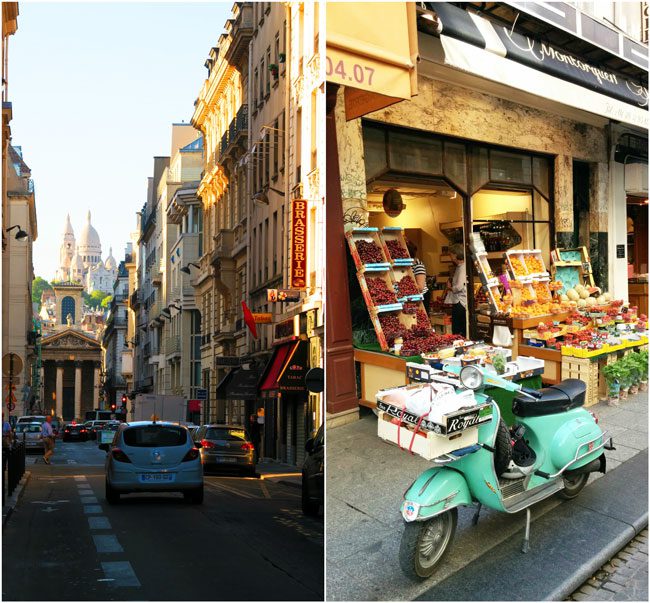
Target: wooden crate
[(586, 370)]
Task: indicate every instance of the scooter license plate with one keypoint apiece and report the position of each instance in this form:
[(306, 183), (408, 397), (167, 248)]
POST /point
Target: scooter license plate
[(410, 510)]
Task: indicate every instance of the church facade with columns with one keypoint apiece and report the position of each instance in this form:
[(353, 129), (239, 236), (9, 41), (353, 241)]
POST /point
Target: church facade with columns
[(71, 374)]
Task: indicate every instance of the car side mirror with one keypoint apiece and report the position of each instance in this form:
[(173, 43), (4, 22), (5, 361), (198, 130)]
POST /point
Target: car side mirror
[(103, 447), (309, 445)]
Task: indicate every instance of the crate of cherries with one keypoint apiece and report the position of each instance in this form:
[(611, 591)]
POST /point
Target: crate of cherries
[(379, 289), (395, 246), (366, 247)]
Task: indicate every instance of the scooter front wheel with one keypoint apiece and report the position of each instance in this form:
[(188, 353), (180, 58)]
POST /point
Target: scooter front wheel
[(424, 544)]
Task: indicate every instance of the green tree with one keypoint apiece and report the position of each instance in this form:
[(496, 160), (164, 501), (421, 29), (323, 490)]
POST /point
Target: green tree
[(107, 300), (38, 286), (95, 299)]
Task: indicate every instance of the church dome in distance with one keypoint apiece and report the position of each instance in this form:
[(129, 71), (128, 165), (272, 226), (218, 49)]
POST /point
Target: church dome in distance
[(89, 246)]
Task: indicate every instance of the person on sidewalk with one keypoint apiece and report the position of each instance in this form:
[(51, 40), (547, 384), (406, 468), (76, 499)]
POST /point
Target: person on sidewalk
[(7, 433), (457, 295), (48, 439)]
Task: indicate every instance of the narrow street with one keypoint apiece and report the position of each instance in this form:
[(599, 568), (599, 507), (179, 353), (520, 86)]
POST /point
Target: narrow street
[(248, 541)]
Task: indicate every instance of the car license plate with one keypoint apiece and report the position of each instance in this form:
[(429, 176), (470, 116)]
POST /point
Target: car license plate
[(226, 459), (156, 477)]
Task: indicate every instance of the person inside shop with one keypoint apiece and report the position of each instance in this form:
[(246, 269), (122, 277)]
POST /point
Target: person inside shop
[(457, 287), (420, 272)]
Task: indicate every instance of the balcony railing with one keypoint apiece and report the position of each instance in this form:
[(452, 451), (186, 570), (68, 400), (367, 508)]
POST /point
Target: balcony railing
[(223, 243), (224, 144), (173, 345)]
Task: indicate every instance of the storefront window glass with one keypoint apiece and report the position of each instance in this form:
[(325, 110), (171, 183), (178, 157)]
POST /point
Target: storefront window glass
[(455, 164), (414, 153), (480, 168), (510, 167), (540, 206), (374, 147), (541, 176)]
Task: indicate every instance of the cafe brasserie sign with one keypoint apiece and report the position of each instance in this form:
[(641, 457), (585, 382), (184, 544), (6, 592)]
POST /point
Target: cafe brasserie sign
[(298, 269)]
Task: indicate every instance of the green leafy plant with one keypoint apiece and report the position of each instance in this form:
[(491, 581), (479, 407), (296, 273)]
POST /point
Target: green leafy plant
[(613, 373), (499, 363)]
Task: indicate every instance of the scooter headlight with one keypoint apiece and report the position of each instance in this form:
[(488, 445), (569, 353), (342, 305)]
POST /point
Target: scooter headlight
[(471, 377)]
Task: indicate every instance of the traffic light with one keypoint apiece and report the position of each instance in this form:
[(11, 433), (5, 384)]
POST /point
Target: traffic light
[(123, 400), (113, 406)]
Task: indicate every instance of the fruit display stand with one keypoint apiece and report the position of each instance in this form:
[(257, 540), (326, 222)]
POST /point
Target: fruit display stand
[(572, 267), (552, 358)]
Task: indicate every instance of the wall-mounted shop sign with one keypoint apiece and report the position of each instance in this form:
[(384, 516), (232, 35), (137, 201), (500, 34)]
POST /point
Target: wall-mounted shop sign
[(284, 329), (292, 377), (298, 245), (226, 361), (263, 318), (282, 295)]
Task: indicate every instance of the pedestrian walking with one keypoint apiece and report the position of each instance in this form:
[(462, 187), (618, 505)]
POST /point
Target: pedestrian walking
[(48, 439), (7, 433)]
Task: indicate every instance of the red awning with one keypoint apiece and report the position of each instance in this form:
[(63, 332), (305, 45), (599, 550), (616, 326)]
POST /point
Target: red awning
[(275, 367)]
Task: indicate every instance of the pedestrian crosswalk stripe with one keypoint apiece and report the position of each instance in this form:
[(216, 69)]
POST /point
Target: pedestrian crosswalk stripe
[(99, 523), (120, 572), (107, 543)]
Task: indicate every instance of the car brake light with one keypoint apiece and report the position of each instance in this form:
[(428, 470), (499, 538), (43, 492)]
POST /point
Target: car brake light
[(192, 454), (208, 444), (247, 446), (83, 431), (120, 456)]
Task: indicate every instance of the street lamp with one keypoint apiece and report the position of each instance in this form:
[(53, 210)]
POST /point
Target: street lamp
[(186, 269), (21, 235)]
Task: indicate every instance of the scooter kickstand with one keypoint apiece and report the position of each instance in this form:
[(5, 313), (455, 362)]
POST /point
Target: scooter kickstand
[(475, 518), (525, 547)]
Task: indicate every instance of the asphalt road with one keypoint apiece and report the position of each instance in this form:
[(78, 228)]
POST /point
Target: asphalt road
[(248, 541)]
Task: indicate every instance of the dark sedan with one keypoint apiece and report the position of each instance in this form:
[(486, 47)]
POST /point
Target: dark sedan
[(226, 447), (75, 431)]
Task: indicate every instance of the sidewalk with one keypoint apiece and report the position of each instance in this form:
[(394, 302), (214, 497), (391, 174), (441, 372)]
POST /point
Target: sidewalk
[(366, 479), (288, 475)]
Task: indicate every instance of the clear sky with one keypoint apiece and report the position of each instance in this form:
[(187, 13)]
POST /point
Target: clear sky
[(95, 88)]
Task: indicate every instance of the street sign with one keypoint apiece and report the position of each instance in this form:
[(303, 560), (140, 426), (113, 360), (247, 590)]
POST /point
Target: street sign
[(282, 295), (263, 318), (12, 364), (11, 406), (315, 380), (201, 394)]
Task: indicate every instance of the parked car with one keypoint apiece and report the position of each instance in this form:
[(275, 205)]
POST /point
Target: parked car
[(30, 433), (313, 474), (226, 446), (95, 426), (75, 431), (148, 456)]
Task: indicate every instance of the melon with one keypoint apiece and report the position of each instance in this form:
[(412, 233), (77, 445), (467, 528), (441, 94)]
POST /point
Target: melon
[(607, 296), (600, 300), (591, 301), (584, 294), (564, 297), (572, 294), (582, 303)]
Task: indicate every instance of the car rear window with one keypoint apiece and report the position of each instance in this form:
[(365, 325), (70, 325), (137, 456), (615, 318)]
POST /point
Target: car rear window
[(153, 435), (26, 427), (223, 433)]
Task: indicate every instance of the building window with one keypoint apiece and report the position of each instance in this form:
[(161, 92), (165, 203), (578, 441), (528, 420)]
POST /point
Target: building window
[(275, 243), (67, 307), (276, 49), (276, 148), (268, 72), (255, 88), (263, 74)]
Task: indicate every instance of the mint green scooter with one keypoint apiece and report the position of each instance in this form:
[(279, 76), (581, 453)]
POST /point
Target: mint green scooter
[(552, 448)]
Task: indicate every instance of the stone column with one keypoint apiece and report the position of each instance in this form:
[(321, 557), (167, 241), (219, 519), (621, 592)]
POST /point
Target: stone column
[(598, 223), (564, 201), (77, 390), (59, 388), (96, 385)]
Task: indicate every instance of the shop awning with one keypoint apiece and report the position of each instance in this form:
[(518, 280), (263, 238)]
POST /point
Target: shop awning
[(477, 46), (239, 384), (372, 51), (286, 370)]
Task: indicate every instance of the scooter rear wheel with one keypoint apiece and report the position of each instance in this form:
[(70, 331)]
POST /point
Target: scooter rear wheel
[(573, 487), (424, 544)]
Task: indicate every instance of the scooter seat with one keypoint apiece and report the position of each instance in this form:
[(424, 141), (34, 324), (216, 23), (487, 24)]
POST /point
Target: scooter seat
[(564, 396)]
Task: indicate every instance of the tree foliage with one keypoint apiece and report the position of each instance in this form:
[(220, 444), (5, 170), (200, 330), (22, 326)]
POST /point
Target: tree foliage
[(38, 286), (96, 299)]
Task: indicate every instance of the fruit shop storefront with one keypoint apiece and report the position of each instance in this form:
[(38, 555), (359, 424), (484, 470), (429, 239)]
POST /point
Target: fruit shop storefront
[(472, 159)]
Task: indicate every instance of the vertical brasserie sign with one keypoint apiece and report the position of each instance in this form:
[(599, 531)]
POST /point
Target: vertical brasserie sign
[(298, 274)]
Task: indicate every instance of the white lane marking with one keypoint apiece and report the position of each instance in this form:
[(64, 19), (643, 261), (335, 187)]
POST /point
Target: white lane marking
[(49, 509), (80, 478), (120, 572), (229, 490), (105, 579), (92, 509), (99, 523), (107, 543), (265, 489), (48, 502), (88, 500)]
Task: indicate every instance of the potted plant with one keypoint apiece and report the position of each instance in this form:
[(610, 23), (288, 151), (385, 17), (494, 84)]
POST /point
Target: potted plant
[(643, 365), (626, 378), (613, 373), (282, 57), (274, 69)]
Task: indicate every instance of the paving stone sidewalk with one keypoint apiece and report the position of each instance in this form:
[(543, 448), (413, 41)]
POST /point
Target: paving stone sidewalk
[(623, 578)]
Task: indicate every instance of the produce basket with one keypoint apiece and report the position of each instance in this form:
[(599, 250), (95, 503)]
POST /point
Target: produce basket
[(378, 289), (395, 247), (406, 287), (367, 248)]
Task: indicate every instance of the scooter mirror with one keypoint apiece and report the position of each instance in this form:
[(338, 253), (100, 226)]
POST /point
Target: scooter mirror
[(471, 377)]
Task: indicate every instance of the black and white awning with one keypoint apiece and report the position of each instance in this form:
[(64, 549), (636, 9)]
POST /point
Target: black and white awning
[(494, 52)]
